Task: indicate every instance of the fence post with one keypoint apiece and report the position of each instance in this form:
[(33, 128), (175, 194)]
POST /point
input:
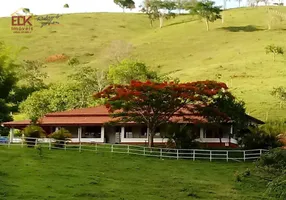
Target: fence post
[(194, 155), (244, 155), (36, 143), (144, 151), (112, 148), (260, 152), (177, 154), (161, 153), (227, 156), (22, 141), (79, 149), (50, 144), (128, 149), (65, 145), (210, 155)]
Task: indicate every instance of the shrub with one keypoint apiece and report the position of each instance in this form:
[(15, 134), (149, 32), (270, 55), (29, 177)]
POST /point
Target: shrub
[(275, 50), (259, 138), (4, 131), (275, 160), (238, 177), (183, 136), (73, 62), (246, 173), (277, 188), (61, 134), (32, 132)]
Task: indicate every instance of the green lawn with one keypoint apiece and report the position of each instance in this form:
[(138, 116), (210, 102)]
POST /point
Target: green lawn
[(67, 175), (235, 49)]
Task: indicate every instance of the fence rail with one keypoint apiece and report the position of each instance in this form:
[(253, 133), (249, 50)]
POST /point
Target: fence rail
[(193, 154)]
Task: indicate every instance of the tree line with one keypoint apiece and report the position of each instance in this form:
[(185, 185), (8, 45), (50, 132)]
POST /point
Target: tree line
[(162, 10)]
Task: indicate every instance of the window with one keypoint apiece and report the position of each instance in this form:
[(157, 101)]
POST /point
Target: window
[(118, 129), (213, 133), (128, 132), (157, 133), (91, 132), (143, 133)]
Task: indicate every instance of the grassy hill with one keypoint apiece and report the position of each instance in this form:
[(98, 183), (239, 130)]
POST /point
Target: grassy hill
[(71, 175), (235, 49)]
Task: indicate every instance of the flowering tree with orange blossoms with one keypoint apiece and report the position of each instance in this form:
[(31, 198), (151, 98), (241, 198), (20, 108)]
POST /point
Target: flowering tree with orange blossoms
[(155, 104)]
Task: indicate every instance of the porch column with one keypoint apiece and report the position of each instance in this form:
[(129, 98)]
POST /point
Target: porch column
[(122, 133), (11, 135), (79, 132), (148, 131), (230, 133), (57, 128), (102, 134), (201, 133)]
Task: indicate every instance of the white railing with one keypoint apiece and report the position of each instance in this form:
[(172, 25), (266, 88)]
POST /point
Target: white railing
[(193, 154)]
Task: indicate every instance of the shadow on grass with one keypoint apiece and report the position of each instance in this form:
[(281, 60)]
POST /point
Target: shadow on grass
[(180, 22), (249, 28)]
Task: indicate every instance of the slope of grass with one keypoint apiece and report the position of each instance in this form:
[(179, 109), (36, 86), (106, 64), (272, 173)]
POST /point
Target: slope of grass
[(72, 175), (235, 49)]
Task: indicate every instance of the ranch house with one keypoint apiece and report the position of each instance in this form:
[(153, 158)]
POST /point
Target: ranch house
[(90, 125)]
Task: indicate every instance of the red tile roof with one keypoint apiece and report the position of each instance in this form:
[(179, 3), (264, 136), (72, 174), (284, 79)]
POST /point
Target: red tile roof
[(93, 111), (94, 116), (17, 123)]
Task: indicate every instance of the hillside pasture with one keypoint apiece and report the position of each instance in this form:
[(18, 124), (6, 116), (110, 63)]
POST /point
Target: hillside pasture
[(233, 52)]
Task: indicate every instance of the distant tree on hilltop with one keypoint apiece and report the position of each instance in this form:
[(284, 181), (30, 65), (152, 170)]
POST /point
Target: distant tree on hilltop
[(207, 10), (158, 9), (130, 4), (66, 5), (26, 10)]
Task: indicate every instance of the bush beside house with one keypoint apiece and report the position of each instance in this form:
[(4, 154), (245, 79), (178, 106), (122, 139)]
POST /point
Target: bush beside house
[(61, 136), (31, 133)]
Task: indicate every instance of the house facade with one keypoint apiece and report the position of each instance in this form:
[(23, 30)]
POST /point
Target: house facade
[(92, 125)]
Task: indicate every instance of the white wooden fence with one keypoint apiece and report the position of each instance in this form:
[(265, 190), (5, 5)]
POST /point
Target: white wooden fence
[(193, 154)]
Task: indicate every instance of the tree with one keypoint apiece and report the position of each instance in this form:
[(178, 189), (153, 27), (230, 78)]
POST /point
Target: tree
[(180, 5), (26, 10), (128, 70), (154, 104), (280, 93), (5, 112), (31, 79), (130, 4), (188, 4), (8, 80), (58, 97), (66, 5), (7, 75), (32, 75), (89, 79), (118, 50), (207, 11), (274, 49), (158, 9)]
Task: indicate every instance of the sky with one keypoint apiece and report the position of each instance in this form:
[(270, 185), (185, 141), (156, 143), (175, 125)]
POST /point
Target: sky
[(40, 7)]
